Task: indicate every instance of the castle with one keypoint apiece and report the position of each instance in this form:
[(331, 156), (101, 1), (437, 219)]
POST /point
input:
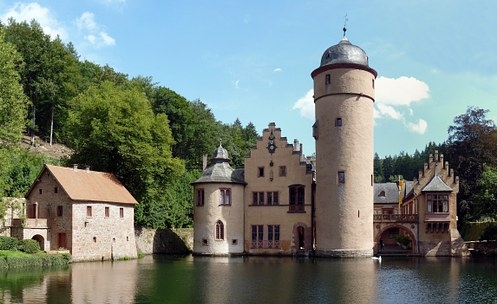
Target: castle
[(282, 203)]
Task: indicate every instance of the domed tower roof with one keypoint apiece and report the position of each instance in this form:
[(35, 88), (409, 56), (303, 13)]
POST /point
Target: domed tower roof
[(220, 155), (220, 171), (344, 52)]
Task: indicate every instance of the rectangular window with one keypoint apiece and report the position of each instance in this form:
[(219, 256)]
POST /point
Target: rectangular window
[(257, 236), (60, 211), (225, 196), (40, 191), (273, 236), (297, 198), (328, 79), (338, 122), (315, 130), (200, 197), (282, 170), (107, 211), (121, 212), (55, 190), (272, 198), (257, 198), (437, 202), (341, 177), (88, 211), (260, 172)]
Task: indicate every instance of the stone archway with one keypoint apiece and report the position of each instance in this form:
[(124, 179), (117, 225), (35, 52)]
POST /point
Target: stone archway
[(301, 237), (395, 240), (40, 240)]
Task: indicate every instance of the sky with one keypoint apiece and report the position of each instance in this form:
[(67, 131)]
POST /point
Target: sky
[(252, 60)]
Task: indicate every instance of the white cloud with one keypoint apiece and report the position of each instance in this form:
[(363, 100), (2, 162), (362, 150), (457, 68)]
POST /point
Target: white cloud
[(94, 35), (276, 70), (42, 15), (305, 105), (236, 83), (86, 22), (419, 127), (400, 91), (391, 95), (389, 111)]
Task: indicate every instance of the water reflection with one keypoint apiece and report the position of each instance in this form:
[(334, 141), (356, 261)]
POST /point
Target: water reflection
[(166, 279)]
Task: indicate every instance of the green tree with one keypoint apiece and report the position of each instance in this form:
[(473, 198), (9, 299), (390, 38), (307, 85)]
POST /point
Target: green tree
[(378, 169), (472, 143), (113, 129), (486, 194), (13, 102), (50, 75)]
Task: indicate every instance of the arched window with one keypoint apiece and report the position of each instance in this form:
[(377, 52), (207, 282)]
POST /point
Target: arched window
[(219, 230)]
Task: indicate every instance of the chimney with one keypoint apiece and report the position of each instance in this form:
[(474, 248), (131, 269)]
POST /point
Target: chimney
[(75, 167), (204, 161), (296, 145), (87, 169)]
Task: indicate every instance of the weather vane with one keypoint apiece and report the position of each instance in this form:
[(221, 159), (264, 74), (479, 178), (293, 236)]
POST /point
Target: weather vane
[(345, 24)]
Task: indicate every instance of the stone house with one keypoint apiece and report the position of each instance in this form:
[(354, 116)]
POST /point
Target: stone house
[(423, 211), (89, 213)]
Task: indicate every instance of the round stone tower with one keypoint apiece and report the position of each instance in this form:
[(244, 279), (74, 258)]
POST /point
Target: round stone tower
[(218, 211), (343, 98)]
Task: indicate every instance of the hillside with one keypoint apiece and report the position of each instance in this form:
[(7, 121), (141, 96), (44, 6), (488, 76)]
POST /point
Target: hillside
[(57, 151)]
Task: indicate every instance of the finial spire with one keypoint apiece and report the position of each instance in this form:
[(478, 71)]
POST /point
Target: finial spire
[(345, 25)]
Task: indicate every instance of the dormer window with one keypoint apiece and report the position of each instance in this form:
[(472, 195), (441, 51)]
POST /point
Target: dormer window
[(382, 193)]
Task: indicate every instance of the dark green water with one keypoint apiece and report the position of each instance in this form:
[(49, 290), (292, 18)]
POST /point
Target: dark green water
[(166, 279)]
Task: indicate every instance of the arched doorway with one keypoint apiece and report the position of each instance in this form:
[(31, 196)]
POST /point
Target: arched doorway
[(301, 237), (396, 240), (40, 240)]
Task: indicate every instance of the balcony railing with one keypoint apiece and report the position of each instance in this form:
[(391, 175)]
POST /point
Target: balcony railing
[(396, 218), (296, 208), (275, 244), (30, 223)]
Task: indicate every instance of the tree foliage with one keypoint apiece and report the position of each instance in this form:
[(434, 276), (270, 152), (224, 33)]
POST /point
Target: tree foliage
[(13, 102), (50, 75), (486, 193), (112, 128), (472, 143)]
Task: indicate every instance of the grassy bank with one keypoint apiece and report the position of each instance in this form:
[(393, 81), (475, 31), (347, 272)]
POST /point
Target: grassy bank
[(16, 259)]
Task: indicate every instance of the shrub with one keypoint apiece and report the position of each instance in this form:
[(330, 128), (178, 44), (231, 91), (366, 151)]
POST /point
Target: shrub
[(403, 239), (8, 243), (28, 246), (490, 232)]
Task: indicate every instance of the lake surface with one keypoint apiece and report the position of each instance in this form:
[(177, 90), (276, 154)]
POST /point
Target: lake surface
[(187, 279)]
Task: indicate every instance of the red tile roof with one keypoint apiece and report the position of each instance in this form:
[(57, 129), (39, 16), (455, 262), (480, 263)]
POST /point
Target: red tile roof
[(87, 185)]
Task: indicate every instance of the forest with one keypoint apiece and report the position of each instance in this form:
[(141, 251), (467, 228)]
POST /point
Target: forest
[(153, 139)]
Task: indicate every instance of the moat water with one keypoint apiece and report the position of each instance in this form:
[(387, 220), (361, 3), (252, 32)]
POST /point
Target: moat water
[(187, 279)]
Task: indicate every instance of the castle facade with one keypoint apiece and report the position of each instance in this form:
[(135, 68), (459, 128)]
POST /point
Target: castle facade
[(283, 203)]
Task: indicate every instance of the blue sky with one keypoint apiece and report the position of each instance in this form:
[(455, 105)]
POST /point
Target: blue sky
[(252, 60)]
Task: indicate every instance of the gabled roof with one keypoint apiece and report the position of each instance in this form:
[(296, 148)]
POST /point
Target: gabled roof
[(437, 184), (86, 185), (388, 193), (385, 193)]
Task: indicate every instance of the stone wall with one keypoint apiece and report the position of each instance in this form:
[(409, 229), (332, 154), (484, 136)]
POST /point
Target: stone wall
[(165, 241)]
